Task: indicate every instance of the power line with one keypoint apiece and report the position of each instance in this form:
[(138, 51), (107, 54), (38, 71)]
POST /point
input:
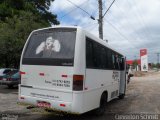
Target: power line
[(90, 25), (137, 34), (72, 10), (132, 26), (139, 17), (92, 28), (144, 22), (122, 35), (81, 9), (108, 8)]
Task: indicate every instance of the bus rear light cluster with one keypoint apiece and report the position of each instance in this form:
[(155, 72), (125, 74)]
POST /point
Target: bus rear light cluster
[(22, 98), (78, 82), (64, 76), (62, 105), (22, 73), (41, 74)]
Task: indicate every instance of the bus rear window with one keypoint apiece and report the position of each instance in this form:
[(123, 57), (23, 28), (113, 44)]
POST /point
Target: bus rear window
[(51, 47)]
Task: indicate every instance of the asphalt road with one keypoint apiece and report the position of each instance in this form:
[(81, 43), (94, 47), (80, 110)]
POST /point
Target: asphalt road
[(142, 98)]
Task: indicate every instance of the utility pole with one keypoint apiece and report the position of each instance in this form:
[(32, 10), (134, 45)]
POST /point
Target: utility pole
[(158, 59), (100, 20)]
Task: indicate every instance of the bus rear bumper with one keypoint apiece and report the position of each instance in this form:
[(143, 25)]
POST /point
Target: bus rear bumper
[(54, 105)]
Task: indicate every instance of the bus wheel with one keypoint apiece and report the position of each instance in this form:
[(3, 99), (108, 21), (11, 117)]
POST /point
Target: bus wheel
[(121, 96), (102, 108)]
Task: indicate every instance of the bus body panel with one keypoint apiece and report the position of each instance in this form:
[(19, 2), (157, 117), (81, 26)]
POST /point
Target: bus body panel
[(79, 56), (99, 78), (97, 82), (52, 87), (50, 77), (54, 103), (46, 93)]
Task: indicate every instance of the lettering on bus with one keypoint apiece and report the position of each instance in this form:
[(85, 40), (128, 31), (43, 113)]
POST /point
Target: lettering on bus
[(44, 95), (115, 75), (48, 82), (59, 83)]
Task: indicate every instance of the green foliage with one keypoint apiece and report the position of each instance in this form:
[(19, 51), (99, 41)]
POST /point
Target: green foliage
[(155, 65), (9, 8), (135, 63), (17, 19)]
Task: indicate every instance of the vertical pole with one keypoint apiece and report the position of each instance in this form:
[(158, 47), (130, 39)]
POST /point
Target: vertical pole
[(158, 59), (100, 20)]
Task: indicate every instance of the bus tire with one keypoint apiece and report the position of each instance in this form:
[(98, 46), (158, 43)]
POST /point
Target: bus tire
[(121, 96), (102, 108)]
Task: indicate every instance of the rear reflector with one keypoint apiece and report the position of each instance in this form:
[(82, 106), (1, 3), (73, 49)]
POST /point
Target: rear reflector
[(41, 74), (86, 88), (62, 105), (22, 73), (65, 76), (78, 82), (22, 98)]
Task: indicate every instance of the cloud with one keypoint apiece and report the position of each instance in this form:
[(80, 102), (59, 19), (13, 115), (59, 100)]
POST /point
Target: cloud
[(129, 25)]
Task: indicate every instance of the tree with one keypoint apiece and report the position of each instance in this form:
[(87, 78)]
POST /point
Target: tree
[(135, 63), (43, 7), (155, 65), (158, 65), (17, 19), (8, 8)]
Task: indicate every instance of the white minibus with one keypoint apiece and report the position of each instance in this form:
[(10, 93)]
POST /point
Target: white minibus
[(68, 69)]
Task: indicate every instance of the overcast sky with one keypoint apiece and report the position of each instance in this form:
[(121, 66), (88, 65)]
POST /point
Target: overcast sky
[(129, 26)]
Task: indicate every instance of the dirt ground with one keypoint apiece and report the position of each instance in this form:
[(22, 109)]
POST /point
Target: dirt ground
[(142, 97)]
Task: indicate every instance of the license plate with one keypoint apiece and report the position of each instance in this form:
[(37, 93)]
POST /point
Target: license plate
[(4, 79), (44, 104)]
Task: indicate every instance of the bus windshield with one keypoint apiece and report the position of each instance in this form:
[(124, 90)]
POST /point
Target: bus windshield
[(51, 47)]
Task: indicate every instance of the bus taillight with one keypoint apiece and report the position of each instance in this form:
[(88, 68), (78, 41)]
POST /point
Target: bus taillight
[(22, 73), (78, 82), (22, 98)]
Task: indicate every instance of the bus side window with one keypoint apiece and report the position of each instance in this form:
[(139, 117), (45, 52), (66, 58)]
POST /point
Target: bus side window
[(118, 62), (103, 58), (100, 57), (96, 51), (122, 63), (89, 54), (113, 61), (109, 59)]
